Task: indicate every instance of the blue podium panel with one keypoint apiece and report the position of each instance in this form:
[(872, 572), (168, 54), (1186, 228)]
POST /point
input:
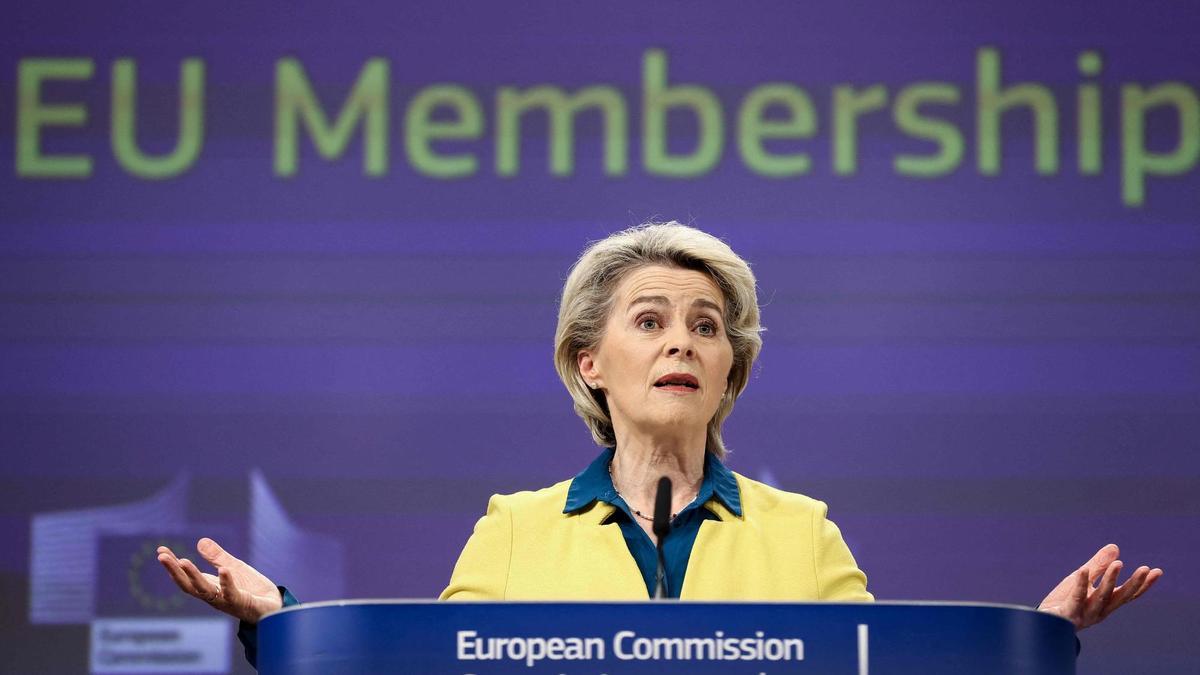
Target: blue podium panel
[(580, 638)]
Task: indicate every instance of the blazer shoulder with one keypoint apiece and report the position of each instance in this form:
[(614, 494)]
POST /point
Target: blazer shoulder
[(758, 497), (496, 551), (547, 500)]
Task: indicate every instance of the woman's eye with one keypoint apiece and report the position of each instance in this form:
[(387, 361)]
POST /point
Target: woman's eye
[(648, 324), (706, 329)]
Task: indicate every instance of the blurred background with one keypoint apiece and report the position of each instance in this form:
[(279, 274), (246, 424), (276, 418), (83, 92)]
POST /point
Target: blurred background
[(286, 276)]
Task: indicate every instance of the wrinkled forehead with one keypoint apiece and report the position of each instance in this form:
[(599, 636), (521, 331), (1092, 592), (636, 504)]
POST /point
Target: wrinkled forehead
[(669, 284)]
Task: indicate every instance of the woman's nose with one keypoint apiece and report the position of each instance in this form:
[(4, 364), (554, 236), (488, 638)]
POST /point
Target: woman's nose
[(679, 342)]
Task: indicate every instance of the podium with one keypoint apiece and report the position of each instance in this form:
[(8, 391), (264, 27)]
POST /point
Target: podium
[(594, 638)]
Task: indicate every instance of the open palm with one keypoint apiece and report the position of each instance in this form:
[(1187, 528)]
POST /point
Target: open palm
[(1077, 600), (236, 589)]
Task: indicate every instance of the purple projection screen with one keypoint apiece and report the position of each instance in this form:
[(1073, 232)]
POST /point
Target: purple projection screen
[(287, 277)]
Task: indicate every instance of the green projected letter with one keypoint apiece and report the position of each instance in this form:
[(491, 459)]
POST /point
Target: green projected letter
[(1136, 161), (753, 129), (848, 104), (511, 104), (294, 98), (992, 103), (32, 115), (1089, 131), (657, 99), (420, 129), (124, 121), (908, 118)]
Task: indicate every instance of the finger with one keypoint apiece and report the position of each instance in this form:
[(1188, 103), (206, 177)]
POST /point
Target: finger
[(180, 577), (1073, 607), (1098, 599), (1100, 562), (234, 595), (1126, 591), (1079, 591), (214, 554), (205, 590), (1152, 577)]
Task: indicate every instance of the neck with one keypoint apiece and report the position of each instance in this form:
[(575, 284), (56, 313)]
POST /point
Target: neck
[(640, 462)]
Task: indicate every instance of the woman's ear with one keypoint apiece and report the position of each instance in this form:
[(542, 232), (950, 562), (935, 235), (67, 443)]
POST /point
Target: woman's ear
[(588, 369)]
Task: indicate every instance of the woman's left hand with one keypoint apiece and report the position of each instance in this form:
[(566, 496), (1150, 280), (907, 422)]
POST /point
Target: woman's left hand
[(1078, 601)]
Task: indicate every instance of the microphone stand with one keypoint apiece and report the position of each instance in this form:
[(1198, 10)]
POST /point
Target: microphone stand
[(662, 525)]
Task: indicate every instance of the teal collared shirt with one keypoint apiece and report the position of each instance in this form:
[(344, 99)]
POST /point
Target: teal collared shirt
[(595, 484)]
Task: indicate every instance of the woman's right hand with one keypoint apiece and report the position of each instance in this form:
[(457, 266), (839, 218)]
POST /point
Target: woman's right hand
[(237, 589)]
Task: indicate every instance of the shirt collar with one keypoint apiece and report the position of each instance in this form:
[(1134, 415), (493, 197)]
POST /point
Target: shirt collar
[(595, 484)]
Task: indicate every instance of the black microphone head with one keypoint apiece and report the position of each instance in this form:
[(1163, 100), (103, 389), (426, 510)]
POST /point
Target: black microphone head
[(662, 508)]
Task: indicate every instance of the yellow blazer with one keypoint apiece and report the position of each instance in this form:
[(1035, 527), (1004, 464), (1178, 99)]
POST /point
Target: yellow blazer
[(781, 548)]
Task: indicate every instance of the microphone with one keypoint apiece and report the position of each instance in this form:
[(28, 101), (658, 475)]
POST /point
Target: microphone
[(662, 525)]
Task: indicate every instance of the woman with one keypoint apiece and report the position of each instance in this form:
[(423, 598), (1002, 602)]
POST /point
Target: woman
[(658, 328)]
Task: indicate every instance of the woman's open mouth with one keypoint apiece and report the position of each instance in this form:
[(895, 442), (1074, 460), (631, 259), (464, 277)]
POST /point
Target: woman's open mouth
[(678, 382)]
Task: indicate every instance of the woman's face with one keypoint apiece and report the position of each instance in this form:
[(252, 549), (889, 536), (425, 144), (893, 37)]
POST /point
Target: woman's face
[(664, 360)]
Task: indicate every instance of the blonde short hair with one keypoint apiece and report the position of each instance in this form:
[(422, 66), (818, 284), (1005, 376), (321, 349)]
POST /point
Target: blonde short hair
[(588, 295)]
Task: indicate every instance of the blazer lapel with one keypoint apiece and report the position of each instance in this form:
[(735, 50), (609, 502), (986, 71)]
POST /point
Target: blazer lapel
[(614, 575), (713, 567)]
